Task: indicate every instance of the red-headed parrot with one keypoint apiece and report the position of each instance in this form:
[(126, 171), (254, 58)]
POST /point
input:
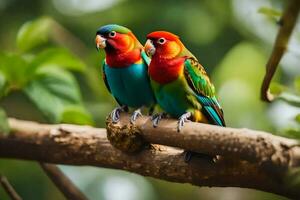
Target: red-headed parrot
[(180, 84), (125, 69)]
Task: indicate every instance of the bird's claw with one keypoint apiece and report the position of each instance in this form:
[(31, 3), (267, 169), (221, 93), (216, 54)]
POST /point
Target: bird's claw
[(182, 120), (137, 113), (115, 114), (156, 118)]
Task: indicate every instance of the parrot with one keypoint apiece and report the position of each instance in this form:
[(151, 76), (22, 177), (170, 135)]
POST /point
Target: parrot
[(125, 70), (180, 83)]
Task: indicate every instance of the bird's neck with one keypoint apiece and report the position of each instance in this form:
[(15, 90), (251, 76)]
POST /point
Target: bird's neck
[(123, 59), (164, 71)]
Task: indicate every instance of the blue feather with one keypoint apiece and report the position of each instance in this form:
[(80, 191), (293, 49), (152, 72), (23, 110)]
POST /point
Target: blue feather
[(130, 85), (209, 105)]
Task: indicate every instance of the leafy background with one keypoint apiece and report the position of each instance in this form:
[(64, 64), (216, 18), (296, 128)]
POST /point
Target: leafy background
[(50, 72)]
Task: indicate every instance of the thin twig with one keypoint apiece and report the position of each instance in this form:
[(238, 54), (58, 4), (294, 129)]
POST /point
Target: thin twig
[(62, 182), (287, 24), (9, 188)]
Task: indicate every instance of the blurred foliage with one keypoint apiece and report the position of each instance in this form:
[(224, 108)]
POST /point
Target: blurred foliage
[(243, 64), (50, 72), (4, 127), (43, 76), (34, 33)]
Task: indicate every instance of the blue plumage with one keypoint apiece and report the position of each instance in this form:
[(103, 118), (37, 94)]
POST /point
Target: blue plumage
[(125, 70), (112, 27), (209, 107), (130, 85)]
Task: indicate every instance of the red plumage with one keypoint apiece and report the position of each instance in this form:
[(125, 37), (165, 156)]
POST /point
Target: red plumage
[(164, 34), (123, 52), (165, 66), (125, 59), (164, 71)]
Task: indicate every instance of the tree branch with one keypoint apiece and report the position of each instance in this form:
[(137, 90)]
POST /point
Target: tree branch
[(9, 188), (287, 22), (83, 145), (268, 150), (62, 182)]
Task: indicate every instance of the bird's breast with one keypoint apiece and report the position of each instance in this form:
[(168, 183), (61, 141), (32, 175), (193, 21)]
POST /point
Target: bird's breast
[(165, 71), (121, 60)]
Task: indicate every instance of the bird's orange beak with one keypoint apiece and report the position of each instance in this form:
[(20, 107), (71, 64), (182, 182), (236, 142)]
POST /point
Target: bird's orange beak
[(149, 48), (100, 42)]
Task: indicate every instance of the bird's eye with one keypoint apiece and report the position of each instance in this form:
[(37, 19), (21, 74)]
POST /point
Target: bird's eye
[(161, 41), (112, 34)]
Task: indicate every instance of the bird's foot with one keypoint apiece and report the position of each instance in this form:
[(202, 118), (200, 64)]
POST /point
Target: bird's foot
[(156, 118), (115, 114), (137, 113), (183, 119)]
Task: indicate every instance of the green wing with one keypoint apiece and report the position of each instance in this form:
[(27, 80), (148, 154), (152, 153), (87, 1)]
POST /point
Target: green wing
[(199, 82)]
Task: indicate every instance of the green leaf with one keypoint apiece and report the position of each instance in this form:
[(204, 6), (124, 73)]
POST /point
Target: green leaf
[(53, 90), (3, 85), (58, 57), (4, 126), (297, 118), (15, 71), (297, 84), (270, 12), (277, 88), (34, 33), (292, 133), (76, 115), (290, 98)]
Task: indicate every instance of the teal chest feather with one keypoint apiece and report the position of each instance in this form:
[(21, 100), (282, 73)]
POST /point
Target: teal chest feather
[(172, 97), (130, 85)]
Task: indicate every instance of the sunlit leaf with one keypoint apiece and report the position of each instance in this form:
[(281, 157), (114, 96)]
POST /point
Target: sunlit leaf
[(52, 91), (297, 84), (271, 12), (58, 57), (76, 115), (277, 88), (297, 118), (34, 33), (4, 127)]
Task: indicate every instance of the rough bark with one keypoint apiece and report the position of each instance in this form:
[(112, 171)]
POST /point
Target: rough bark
[(83, 145), (273, 152)]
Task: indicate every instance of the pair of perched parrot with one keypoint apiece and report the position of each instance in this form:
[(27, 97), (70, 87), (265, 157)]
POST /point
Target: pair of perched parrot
[(163, 72)]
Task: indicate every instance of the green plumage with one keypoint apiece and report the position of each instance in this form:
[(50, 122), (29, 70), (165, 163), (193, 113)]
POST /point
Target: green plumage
[(191, 91)]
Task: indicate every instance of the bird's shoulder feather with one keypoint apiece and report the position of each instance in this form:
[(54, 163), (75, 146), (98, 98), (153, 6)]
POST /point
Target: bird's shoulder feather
[(200, 83)]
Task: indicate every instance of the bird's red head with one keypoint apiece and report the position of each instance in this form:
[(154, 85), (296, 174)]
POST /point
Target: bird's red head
[(116, 42), (120, 44), (163, 44), (116, 38)]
